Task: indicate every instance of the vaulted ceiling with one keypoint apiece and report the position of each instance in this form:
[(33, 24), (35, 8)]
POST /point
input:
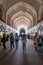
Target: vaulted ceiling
[(18, 12)]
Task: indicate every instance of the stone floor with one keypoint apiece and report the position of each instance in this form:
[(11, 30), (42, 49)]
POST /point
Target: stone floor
[(18, 57)]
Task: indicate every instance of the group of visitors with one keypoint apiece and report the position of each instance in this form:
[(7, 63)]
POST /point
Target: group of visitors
[(14, 40)]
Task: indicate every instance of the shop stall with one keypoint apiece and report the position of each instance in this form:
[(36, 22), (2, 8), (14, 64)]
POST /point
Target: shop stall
[(38, 29), (5, 29)]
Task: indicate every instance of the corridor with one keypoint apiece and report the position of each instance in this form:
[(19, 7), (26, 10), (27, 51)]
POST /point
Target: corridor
[(21, 17), (18, 57)]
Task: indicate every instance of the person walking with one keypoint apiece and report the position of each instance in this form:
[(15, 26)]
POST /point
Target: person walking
[(16, 38), (4, 41), (0, 40), (11, 40), (24, 42), (40, 44)]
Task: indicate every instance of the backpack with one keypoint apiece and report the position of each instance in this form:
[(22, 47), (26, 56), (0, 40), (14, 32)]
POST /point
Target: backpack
[(16, 38), (24, 39), (11, 38)]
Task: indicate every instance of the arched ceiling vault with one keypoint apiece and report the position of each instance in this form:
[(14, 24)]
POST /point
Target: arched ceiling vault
[(7, 4), (16, 17), (22, 20), (22, 5), (34, 3), (21, 12)]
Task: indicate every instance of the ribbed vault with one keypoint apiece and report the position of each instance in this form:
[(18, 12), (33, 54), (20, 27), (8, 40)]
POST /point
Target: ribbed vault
[(21, 13), (22, 20)]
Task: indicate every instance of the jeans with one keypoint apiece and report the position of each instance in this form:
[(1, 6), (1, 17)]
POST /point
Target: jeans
[(24, 46), (4, 45), (16, 42), (11, 44)]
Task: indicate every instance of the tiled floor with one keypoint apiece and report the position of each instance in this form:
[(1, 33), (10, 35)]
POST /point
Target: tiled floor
[(18, 57)]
